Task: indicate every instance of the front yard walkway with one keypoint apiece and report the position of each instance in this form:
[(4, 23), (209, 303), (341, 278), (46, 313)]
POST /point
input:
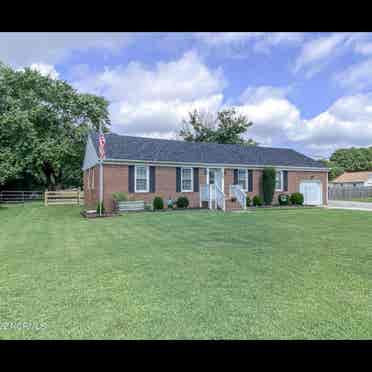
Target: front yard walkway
[(354, 205)]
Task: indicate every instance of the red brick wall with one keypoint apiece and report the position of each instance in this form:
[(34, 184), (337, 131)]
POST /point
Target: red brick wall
[(294, 179), (116, 179)]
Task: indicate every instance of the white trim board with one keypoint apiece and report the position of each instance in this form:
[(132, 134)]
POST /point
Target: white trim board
[(211, 165)]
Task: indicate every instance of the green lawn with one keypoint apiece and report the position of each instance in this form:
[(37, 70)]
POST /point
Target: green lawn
[(267, 274)]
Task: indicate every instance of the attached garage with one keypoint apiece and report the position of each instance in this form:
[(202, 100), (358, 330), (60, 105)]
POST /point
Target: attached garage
[(312, 192)]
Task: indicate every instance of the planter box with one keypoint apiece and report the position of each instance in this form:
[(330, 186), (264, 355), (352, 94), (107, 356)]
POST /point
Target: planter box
[(128, 206)]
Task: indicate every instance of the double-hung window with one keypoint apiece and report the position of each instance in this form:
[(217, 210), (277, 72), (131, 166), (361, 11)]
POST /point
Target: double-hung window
[(186, 179), (279, 181), (243, 179), (141, 178)]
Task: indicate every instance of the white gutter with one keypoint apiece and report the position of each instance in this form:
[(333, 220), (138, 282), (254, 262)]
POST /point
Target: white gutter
[(216, 165)]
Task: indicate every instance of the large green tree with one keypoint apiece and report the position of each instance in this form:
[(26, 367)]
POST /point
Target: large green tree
[(353, 159), (226, 127), (43, 127)]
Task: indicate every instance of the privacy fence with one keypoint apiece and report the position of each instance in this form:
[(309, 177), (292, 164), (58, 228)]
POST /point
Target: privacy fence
[(349, 193)]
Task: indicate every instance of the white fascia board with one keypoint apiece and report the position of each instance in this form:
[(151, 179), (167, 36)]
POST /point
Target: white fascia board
[(211, 165)]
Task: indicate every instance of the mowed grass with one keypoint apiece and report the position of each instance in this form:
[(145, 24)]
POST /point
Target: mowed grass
[(267, 274)]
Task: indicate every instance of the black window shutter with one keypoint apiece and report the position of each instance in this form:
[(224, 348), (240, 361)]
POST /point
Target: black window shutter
[(178, 179), (196, 179), (250, 180), (131, 178), (285, 180), (235, 176), (152, 179)]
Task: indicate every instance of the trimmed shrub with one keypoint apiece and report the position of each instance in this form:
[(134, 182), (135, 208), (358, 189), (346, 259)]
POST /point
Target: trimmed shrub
[(297, 198), (102, 208), (283, 199), (268, 184), (182, 202), (120, 196), (257, 201), (248, 201), (158, 203)]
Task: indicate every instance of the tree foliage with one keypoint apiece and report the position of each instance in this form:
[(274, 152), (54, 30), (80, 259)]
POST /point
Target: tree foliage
[(227, 127), (353, 159), (43, 128)]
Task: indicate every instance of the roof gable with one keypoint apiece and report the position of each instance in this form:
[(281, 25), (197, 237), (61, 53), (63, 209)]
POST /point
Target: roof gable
[(150, 149)]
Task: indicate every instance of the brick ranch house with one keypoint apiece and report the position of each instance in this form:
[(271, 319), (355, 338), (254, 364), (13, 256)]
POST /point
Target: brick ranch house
[(208, 174)]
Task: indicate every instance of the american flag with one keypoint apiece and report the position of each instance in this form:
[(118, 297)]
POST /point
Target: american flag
[(101, 147)]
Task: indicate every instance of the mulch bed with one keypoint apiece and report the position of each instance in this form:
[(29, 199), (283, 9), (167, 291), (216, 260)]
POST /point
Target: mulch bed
[(282, 207), (96, 215)]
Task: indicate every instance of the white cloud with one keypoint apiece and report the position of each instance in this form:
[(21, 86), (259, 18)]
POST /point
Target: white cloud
[(269, 40), (23, 48), (220, 38), (357, 76), (234, 44), (315, 53), (153, 101), (45, 69), (273, 116), (278, 122)]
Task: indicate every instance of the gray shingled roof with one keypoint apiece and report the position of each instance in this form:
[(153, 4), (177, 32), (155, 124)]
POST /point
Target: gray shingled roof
[(151, 149)]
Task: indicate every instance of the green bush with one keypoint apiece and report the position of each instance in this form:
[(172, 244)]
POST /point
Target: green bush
[(120, 196), (268, 184), (182, 202), (257, 201), (283, 199), (158, 203), (248, 201), (297, 198), (102, 210)]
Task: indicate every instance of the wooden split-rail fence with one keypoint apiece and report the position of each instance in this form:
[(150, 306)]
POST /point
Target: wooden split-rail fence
[(63, 198)]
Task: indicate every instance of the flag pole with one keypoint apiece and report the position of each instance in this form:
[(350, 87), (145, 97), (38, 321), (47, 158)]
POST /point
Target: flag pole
[(100, 177)]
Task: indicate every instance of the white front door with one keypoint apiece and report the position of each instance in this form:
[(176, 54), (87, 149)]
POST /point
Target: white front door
[(312, 192)]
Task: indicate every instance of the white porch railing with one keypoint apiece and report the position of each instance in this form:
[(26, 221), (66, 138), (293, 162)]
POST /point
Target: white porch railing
[(212, 194), (219, 197), (240, 195)]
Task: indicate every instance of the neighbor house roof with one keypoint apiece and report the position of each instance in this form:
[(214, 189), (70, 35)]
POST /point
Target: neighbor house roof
[(119, 147), (353, 177)]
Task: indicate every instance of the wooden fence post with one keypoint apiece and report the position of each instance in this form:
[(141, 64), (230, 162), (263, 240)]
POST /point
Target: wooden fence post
[(78, 197), (46, 198)]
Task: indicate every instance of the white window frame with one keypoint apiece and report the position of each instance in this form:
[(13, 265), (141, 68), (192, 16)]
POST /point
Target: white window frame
[(147, 178), (192, 179), (246, 178), (281, 180)]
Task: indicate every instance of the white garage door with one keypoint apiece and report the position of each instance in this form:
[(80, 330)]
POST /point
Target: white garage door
[(312, 192)]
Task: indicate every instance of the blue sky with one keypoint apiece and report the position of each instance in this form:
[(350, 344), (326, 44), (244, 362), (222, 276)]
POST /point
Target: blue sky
[(308, 91)]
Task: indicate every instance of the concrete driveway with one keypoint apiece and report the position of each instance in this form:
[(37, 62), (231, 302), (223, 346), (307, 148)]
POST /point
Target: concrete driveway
[(341, 204)]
